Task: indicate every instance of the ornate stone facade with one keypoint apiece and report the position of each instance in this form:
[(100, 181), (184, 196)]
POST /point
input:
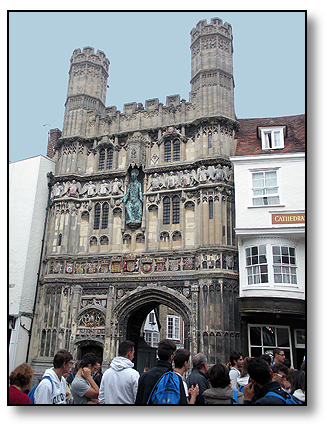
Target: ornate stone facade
[(102, 274)]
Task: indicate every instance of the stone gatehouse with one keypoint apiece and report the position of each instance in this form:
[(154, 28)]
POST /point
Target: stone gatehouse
[(142, 213)]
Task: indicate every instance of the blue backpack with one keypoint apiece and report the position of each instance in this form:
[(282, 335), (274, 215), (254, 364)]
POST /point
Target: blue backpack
[(31, 393), (235, 396), (166, 391), (289, 400)]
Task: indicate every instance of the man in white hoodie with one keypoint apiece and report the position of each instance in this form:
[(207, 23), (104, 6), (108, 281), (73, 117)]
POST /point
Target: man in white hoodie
[(54, 392), (119, 383)]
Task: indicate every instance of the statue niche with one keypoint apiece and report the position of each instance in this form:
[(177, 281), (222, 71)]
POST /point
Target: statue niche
[(133, 200)]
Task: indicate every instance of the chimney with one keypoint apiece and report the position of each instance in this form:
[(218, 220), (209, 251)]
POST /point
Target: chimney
[(53, 136)]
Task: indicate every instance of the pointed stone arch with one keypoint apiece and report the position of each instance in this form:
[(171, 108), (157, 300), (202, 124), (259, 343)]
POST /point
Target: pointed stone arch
[(129, 312)]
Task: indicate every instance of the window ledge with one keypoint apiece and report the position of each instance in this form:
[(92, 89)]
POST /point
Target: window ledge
[(266, 206)]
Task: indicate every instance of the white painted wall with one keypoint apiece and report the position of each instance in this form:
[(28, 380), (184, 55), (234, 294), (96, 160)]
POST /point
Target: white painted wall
[(254, 224), (291, 181), (28, 194)]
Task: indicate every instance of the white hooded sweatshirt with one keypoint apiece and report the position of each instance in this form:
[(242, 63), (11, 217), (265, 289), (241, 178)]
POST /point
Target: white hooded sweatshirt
[(119, 383), (51, 394)]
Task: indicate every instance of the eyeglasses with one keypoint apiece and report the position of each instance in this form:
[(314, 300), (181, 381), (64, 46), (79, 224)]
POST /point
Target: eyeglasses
[(282, 376)]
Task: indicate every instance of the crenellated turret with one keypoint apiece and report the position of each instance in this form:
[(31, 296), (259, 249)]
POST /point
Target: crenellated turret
[(87, 88), (212, 83)]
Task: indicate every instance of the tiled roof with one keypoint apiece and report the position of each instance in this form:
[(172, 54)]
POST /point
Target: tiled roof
[(248, 143)]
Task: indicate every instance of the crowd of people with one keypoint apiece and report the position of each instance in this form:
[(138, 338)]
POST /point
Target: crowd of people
[(252, 380)]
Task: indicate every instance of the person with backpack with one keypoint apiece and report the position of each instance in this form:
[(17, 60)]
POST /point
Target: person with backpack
[(182, 364), (148, 379), (52, 388), (221, 392), (236, 363), (262, 390)]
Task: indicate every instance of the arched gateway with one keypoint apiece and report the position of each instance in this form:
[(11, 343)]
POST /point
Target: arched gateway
[(129, 313)]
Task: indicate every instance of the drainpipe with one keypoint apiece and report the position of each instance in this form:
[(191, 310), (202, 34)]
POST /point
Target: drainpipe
[(49, 177)]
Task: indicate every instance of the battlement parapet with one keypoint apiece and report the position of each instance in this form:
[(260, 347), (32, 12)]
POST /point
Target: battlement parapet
[(216, 26), (88, 54)]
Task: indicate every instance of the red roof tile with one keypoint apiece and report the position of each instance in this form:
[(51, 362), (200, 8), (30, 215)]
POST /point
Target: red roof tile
[(248, 143)]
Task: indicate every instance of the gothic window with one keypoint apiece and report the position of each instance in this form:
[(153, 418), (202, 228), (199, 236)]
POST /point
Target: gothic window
[(172, 146), (176, 150), (167, 155), (102, 156), (110, 153), (166, 210), (167, 219), (210, 209), (106, 158), (210, 140), (176, 210), (59, 239), (105, 214), (97, 214)]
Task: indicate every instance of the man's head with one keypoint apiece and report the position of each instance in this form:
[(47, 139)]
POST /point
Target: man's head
[(280, 373), (63, 360), (126, 349), (89, 361), (259, 371), (182, 359), (200, 362), (266, 358), (278, 355), (236, 360), (166, 349)]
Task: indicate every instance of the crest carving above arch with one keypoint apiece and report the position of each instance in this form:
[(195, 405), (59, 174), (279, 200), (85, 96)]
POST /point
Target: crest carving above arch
[(153, 293)]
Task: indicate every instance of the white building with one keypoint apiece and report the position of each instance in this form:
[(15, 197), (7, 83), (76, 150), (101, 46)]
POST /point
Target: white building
[(269, 175), (28, 197)]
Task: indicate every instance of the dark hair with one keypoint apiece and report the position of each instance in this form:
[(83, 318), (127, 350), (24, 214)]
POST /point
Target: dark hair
[(219, 376), (125, 347), (165, 349), (266, 357), (22, 375), (276, 350), (279, 367), (181, 356), (234, 357), (88, 359), (259, 371), (61, 357), (297, 381)]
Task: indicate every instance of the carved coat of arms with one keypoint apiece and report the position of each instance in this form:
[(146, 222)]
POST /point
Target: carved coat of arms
[(173, 264), (69, 267)]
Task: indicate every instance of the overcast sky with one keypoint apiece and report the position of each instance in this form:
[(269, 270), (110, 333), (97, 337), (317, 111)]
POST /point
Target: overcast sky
[(149, 54)]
